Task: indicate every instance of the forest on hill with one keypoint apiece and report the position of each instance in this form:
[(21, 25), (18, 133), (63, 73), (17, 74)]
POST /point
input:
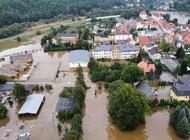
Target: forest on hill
[(182, 5), (19, 11)]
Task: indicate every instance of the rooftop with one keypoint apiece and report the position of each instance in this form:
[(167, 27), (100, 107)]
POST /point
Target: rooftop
[(182, 87), (79, 55), (64, 104), (121, 46), (67, 34), (32, 104)]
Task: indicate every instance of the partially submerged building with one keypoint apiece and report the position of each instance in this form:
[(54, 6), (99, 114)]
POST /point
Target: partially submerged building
[(64, 104), (79, 58), (181, 89), (32, 104)]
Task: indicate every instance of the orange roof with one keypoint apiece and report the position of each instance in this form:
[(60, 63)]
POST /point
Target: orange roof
[(186, 37), (146, 67), (144, 40)]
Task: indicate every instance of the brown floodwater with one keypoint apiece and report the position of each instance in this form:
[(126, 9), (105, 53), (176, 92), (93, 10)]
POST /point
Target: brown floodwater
[(97, 124)]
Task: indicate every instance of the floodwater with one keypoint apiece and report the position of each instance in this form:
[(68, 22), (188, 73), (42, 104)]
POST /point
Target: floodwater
[(97, 124), (44, 125)]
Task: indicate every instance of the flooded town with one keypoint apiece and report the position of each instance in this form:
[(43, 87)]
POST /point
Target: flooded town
[(117, 77)]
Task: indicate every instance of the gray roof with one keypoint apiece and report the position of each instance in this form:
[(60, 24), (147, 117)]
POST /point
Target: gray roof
[(182, 87), (122, 46), (167, 77), (170, 63), (64, 104), (79, 56), (6, 87), (32, 104), (145, 88), (67, 34), (153, 50)]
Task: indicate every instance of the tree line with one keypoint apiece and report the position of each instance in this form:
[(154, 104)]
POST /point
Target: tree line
[(77, 93)]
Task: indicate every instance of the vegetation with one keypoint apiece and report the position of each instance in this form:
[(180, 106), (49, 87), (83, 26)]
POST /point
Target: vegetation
[(127, 107), (77, 93), (165, 47), (180, 121), (182, 5), (3, 80), (48, 87), (20, 93), (3, 111), (75, 132), (129, 73)]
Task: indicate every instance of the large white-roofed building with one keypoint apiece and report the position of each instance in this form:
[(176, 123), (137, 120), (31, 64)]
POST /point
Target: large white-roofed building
[(79, 58), (32, 104)]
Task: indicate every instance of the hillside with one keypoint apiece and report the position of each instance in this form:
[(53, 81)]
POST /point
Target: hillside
[(18, 11)]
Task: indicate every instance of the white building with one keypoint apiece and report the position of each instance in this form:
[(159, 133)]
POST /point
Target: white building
[(79, 58), (119, 51), (143, 15)]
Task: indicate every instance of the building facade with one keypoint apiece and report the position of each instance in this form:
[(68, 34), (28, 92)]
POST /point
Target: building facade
[(118, 51)]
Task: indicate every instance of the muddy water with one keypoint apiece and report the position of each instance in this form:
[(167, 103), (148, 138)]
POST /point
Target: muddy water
[(44, 125), (97, 124)]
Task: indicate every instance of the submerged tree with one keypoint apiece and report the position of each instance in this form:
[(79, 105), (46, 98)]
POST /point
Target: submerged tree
[(127, 107)]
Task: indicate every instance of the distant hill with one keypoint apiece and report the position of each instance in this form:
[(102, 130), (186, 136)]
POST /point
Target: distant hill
[(18, 11)]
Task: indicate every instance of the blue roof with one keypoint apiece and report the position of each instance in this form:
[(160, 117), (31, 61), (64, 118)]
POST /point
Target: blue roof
[(32, 104), (79, 56), (122, 46)]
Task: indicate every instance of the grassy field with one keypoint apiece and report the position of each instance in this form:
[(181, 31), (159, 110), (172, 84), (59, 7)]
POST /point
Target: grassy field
[(30, 35)]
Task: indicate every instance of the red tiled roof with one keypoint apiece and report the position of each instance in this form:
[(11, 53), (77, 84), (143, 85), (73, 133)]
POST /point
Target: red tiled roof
[(144, 40), (146, 67)]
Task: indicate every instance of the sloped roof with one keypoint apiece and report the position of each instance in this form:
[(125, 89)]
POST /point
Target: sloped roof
[(32, 104), (64, 104), (79, 56)]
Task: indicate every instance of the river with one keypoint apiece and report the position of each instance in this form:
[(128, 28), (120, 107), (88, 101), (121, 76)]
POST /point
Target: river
[(97, 124)]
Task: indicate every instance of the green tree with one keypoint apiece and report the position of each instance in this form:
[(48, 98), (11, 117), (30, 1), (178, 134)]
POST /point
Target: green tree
[(3, 111), (20, 93), (131, 73), (18, 39), (3, 80), (165, 46), (127, 107), (86, 34), (180, 53)]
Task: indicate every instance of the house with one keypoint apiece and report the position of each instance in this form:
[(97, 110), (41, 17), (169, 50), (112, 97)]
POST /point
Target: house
[(145, 88), (167, 77), (118, 51), (186, 37), (79, 58), (185, 27), (146, 67), (64, 104), (145, 40), (68, 37), (152, 52), (181, 89), (169, 62), (143, 15)]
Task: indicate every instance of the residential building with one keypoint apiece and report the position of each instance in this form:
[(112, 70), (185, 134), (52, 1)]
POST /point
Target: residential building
[(152, 52), (79, 58), (118, 51), (145, 40), (181, 90), (68, 37), (143, 15), (146, 67)]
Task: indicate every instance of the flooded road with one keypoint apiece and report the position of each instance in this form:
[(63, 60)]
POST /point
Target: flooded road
[(97, 124)]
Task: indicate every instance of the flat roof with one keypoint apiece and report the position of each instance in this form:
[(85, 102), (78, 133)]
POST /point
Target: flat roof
[(32, 104)]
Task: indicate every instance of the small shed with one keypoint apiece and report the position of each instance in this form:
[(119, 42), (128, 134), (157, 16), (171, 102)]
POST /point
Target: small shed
[(32, 104), (64, 104)]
